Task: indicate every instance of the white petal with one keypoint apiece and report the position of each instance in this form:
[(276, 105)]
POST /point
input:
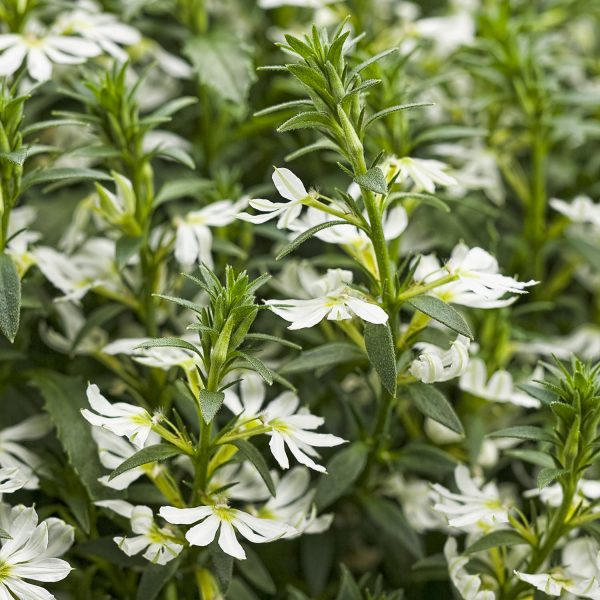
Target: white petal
[(229, 543)]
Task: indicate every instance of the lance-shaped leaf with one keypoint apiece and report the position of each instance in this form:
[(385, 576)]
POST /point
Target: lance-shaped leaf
[(380, 350), (373, 180), (250, 453), (433, 404), (210, 403), (524, 432), (169, 342), (10, 297), (306, 235), (441, 311), (495, 539), (156, 453)]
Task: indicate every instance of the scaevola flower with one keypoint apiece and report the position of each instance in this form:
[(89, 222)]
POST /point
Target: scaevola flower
[(435, 364), (158, 544), (337, 301), (559, 580), (123, 419), (468, 586), (289, 187), (225, 520), (580, 210), (425, 174), (9, 480)]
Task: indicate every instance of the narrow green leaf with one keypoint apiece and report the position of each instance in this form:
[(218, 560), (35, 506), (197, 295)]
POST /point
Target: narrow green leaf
[(535, 457), (10, 297), (433, 404), (17, 157), (326, 356), (306, 235), (223, 565), (210, 403), (373, 180), (249, 452), (259, 366), (256, 573), (169, 342), (495, 539), (43, 176), (282, 106), (444, 313), (548, 475), (174, 106), (176, 154), (372, 60), (539, 393), (41, 125), (154, 579), (305, 120), (125, 248), (197, 308), (156, 453), (181, 188), (380, 350), (524, 432), (343, 469), (349, 589), (264, 337)]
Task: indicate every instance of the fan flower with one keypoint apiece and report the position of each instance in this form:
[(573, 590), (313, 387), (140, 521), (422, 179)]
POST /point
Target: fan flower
[(9, 480), (293, 429), (425, 174), (292, 189), (121, 418), (561, 580), (580, 210), (30, 553), (435, 364), (336, 302), (468, 586), (41, 51), (476, 505), (221, 517), (193, 242), (159, 544)]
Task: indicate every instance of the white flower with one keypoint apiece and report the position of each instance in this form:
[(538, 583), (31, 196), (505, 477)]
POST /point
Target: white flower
[(123, 419), (293, 429), (474, 505), (227, 520), (561, 580), (435, 364), (159, 544), (580, 210), (449, 32), (31, 553), (14, 455), (337, 302), (293, 504), (40, 51), (467, 585), (9, 480), (479, 283), (415, 497), (583, 342), (193, 243), (499, 388), (104, 29), (424, 173), (113, 450), (587, 489), (91, 267), (251, 396), (292, 189), (21, 238)]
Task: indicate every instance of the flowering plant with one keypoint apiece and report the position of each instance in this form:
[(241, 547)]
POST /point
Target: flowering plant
[(299, 299)]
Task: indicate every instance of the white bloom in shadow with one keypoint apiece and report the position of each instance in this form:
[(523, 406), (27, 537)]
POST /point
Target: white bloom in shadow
[(158, 544), (580, 210), (437, 364), (468, 586), (425, 174), (337, 301), (225, 520)]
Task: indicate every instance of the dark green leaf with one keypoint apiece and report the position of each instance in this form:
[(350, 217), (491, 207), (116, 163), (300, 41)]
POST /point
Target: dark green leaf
[(250, 453), (328, 355), (380, 350), (181, 188), (444, 313), (43, 176), (210, 403), (306, 235), (176, 154), (156, 453), (125, 248), (154, 579), (256, 573), (305, 120), (10, 297), (495, 539), (534, 457), (539, 393), (373, 180), (343, 469), (548, 475), (373, 59), (265, 337), (169, 342), (392, 109), (259, 366), (223, 564), (349, 589), (433, 404), (524, 432)]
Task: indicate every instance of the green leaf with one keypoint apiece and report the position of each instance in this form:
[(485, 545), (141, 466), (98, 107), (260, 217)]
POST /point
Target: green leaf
[(444, 313), (349, 589), (426, 460), (174, 106), (249, 452), (495, 539), (539, 393), (343, 469), (154, 579), (373, 59), (282, 106), (174, 189), (10, 297), (548, 475), (169, 342), (259, 366), (391, 522), (392, 109), (210, 403), (223, 565), (306, 120), (43, 176), (17, 157), (265, 337), (524, 432), (326, 356), (380, 350), (373, 180), (433, 404), (64, 398), (41, 125), (125, 248), (256, 573), (534, 457), (155, 453), (176, 154), (222, 63), (306, 235), (448, 132)]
